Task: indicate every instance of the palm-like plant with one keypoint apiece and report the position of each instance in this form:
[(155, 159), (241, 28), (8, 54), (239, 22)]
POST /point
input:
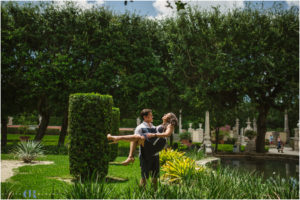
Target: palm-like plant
[(28, 151)]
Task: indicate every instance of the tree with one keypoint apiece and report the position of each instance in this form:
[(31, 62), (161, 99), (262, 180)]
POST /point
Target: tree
[(241, 53)]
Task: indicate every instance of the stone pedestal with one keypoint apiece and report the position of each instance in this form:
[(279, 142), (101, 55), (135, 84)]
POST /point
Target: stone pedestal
[(236, 128), (251, 146), (197, 135), (207, 142)]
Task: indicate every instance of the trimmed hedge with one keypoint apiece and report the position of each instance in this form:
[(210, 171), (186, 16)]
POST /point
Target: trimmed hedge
[(115, 131), (90, 117)]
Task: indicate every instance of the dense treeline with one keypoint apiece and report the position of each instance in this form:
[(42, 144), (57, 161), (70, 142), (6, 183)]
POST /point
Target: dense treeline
[(197, 61)]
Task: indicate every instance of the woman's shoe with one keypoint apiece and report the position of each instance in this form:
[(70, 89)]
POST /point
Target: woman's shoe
[(128, 161), (110, 137)]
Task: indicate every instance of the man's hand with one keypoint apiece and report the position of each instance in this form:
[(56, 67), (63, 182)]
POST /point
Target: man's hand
[(151, 135)]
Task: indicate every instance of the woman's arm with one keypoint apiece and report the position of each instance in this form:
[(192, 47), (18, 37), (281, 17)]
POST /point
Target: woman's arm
[(168, 132)]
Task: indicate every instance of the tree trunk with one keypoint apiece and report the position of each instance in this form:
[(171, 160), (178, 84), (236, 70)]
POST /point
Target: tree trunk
[(4, 121), (44, 112), (43, 127), (217, 139), (261, 129), (63, 131)]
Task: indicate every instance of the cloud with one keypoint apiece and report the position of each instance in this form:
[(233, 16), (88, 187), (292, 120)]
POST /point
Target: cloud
[(163, 11), (84, 4), (293, 3)]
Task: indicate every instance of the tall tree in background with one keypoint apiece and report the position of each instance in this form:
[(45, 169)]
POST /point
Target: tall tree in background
[(246, 52)]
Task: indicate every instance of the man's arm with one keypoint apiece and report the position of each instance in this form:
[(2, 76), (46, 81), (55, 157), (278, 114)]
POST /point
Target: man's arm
[(168, 133)]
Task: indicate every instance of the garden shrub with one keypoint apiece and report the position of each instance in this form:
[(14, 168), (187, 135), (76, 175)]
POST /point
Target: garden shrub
[(90, 116), (128, 123), (115, 131), (179, 169), (169, 155), (185, 136)]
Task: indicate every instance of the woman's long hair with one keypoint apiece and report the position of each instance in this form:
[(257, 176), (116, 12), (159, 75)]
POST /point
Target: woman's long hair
[(172, 119)]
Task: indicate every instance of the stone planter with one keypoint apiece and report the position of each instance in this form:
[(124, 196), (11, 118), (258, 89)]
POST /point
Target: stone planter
[(185, 141)]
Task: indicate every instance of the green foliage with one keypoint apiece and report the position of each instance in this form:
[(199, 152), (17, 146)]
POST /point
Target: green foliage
[(178, 170), (195, 154), (128, 123), (185, 136), (93, 188), (7, 191), (250, 134), (28, 151), (90, 118), (224, 183), (169, 155), (115, 131), (219, 62)]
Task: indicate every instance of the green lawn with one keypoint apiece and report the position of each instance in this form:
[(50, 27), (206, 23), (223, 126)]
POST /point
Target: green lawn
[(47, 140), (41, 178)]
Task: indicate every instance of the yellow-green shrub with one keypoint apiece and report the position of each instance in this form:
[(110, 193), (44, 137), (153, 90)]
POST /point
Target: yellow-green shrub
[(169, 155), (178, 169)]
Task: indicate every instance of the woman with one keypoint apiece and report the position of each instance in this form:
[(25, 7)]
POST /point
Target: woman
[(147, 139)]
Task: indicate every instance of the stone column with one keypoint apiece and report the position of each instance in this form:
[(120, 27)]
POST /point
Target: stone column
[(237, 124), (10, 121), (242, 137), (207, 142), (190, 129), (254, 125), (286, 126), (237, 136), (180, 123), (201, 132)]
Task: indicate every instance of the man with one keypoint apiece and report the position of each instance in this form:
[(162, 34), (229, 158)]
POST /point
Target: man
[(149, 163)]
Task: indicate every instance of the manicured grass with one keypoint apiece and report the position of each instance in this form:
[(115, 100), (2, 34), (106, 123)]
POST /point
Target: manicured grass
[(41, 178), (223, 183)]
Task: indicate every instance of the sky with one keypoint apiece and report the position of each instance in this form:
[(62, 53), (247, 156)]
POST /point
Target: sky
[(157, 9)]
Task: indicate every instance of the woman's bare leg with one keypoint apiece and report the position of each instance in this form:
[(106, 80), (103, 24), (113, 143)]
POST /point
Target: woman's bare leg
[(131, 151), (130, 138), (134, 141)]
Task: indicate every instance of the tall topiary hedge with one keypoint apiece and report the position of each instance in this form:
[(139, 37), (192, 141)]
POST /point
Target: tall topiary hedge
[(115, 131), (90, 117)]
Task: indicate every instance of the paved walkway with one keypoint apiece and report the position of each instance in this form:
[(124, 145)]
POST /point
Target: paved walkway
[(286, 151)]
